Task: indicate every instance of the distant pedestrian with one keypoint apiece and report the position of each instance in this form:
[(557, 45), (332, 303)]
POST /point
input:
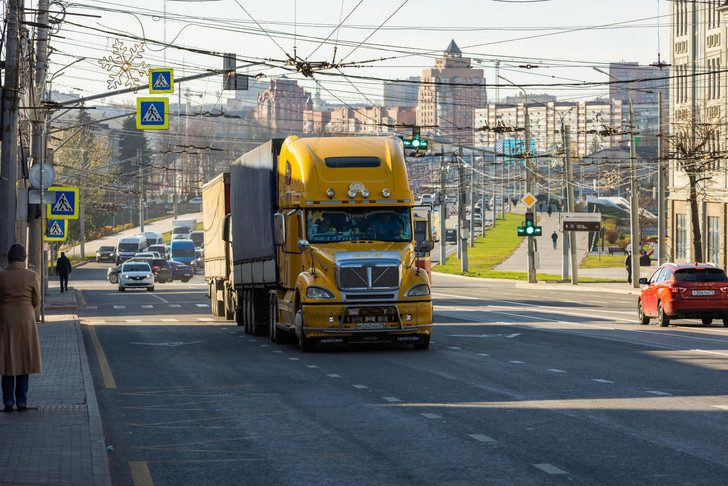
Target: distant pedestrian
[(63, 270), (540, 207), (19, 344), (548, 211), (555, 238), (628, 264)]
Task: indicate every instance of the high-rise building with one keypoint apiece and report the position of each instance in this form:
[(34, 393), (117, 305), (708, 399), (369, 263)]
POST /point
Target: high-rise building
[(401, 92), (448, 94), (281, 106)]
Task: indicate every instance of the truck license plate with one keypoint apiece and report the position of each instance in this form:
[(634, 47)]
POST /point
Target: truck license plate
[(697, 293), (370, 325)]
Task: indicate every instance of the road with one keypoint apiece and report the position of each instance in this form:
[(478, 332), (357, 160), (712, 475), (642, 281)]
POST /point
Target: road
[(519, 386)]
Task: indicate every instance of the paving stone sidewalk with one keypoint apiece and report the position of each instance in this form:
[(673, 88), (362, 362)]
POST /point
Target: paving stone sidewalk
[(59, 440)]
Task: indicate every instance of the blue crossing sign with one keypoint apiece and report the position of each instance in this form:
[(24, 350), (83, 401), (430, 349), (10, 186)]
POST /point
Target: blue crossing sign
[(65, 205), (56, 230), (152, 114), (161, 81)]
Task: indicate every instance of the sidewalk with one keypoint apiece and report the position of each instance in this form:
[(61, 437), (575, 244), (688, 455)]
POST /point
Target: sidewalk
[(60, 439)]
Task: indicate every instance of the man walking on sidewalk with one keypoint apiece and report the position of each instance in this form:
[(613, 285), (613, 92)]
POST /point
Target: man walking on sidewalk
[(555, 238), (63, 270)]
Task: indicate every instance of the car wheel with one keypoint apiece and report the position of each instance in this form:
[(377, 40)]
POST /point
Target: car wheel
[(121, 289), (185, 280), (150, 289), (114, 278), (98, 260), (662, 318), (725, 321), (707, 321), (641, 313)]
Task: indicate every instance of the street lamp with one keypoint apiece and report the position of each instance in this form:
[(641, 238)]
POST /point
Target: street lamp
[(634, 202), (529, 182)]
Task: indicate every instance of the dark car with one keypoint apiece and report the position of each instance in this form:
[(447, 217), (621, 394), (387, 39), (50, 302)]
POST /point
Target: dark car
[(162, 270), (106, 254), (451, 235), (181, 271), (684, 291)]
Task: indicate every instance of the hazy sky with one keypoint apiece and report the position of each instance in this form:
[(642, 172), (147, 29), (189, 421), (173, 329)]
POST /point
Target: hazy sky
[(564, 38)]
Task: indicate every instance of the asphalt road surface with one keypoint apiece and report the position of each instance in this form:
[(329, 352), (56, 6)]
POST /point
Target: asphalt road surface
[(518, 387)]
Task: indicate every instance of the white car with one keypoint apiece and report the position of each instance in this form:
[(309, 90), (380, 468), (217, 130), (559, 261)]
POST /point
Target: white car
[(196, 200), (136, 275)]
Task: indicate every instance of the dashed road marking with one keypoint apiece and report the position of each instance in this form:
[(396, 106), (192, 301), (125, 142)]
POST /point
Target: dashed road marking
[(119, 307), (205, 319), (334, 376), (92, 307), (295, 359), (550, 469), (361, 387), (454, 347), (202, 305), (430, 415), (265, 345), (147, 307), (659, 393), (175, 305), (601, 380), (516, 362), (481, 438), (307, 366), (169, 320), (133, 320), (554, 370), (278, 352), (483, 354), (392, 399), (513, 335)]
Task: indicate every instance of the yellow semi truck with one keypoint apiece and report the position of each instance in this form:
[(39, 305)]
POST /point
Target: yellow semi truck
[(314, 238)]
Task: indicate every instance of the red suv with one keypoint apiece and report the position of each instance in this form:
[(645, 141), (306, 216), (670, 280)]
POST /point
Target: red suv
[(684, 291)]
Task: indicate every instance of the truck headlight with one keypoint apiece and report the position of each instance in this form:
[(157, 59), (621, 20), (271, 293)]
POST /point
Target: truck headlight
[(318, 293), (419, 290)]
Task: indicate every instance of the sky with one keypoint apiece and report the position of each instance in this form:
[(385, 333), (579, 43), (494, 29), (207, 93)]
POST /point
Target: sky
[(561, 41)]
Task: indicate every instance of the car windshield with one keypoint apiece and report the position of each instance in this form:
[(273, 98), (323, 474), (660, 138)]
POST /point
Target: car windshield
[(106, 248), (183, 252), (381, 224), (128, 247), (136, 267), (700, 275)]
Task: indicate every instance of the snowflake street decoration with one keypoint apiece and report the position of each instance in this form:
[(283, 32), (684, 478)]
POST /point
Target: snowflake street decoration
[(125, 65)]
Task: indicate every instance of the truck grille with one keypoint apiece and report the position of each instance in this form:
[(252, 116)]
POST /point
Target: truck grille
[(368, 277)]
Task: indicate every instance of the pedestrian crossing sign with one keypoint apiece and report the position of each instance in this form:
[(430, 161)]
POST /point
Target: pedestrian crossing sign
[(65, 205), (56, 230), (161, 81), (152, 114)]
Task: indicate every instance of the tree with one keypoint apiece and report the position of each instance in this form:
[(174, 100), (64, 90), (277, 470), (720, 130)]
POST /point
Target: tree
[(694, 146), (132, 140)]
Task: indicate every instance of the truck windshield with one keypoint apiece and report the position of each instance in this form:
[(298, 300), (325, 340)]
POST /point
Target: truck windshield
[(180, 229), (381, 224), (129, 247)]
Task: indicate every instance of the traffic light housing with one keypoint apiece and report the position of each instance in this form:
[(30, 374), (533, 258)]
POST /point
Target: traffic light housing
[(415, 143), (528, 228)]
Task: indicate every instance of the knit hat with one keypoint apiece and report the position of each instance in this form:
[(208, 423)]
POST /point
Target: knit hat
[(17, 253)]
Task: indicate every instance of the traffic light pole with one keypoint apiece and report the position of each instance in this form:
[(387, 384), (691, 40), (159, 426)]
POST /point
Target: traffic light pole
[(529, 190)]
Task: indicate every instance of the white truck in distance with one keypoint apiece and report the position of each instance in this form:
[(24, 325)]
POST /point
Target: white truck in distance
[(181, 228)]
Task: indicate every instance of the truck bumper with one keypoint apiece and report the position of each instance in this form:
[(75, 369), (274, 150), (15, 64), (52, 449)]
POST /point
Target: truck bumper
[(370, 322)]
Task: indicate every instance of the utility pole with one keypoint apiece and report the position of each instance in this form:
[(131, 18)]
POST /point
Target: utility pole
[(634, 203), (462, 242), (9, 154), (570, 202), (82, 197), (37, 146), (443, 209), (141, 190), (472, 204), (660, 186), (529, 189)]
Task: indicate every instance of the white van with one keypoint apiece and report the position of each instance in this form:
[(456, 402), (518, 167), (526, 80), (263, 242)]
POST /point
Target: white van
[(128, 246), (153, 237)]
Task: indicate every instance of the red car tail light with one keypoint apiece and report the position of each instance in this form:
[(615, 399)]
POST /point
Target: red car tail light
[(677, 290)]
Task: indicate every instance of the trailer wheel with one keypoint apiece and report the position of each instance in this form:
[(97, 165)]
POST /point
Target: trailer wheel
[(247, 308), (228, 303), (273, 318)]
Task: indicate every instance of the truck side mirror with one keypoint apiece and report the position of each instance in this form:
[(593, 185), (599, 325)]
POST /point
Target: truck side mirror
[(304, 245), (279, 229), (425, 246)]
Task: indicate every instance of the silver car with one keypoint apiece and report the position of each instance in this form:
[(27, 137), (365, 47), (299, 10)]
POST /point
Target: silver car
[(136, 275)]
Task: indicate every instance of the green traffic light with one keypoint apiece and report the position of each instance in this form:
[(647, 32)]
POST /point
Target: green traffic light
[(415, 143)]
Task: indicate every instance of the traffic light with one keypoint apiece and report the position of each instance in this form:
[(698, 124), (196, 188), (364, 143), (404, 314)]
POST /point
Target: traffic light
[(415, 143), (527, 228)]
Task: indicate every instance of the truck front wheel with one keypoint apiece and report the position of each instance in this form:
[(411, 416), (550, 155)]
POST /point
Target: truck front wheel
[(273, 319), (306, 345)]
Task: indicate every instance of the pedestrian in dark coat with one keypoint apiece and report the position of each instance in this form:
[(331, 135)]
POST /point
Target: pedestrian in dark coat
[(555, 238), (628, 264), (548, 211), (63, 270), (19, 344)]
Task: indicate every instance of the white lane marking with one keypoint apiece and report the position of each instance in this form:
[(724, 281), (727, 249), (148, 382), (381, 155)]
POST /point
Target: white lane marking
[(659, 393), (265, 345), (516, 362), (361, 387), (295, 359), (119, 307), (96, 322), (601, 380), (513, 335), (430, 415), (169, 320), (307, 366), (205, 319), (483, 354), (332, 375), (92, 307), (722, 407), (454, 347), (160, 298), (392, 399), (202, 305), (147, 306), (481, 438), (133, 320), (278, 352), (175, 305), (549, 469), (553, 370)]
